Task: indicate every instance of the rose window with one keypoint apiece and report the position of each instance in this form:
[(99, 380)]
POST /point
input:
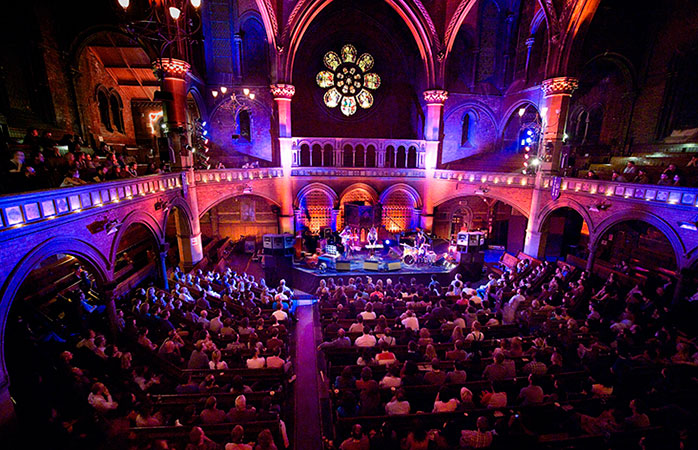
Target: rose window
[(348, 80)]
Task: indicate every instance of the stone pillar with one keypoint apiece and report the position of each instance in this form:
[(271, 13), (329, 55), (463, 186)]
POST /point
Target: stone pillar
[(333, 221), (173, 75), (529, 45), (109, 290), (237, 57), (283, 93), (432, 133), (592, 254), (554, 108), (189, 235)]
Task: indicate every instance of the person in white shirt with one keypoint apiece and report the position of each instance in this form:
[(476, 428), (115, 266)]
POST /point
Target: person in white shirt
[(510, 308), (100, 399), (410, 321), (475, 334), (256, 362), (398, 405), (366, 339), (280, 314), (392, 378), (368, 313), (443, 403)]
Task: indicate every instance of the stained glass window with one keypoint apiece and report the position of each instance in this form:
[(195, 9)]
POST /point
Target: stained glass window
[(347, 80)]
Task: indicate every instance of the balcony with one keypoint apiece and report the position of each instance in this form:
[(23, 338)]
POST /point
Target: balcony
[(359, 153), (18, 210)]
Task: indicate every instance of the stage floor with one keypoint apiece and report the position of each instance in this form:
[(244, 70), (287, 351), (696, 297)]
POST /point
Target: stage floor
[(309, 279)]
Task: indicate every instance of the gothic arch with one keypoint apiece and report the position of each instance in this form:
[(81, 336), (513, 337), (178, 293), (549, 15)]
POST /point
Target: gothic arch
[(184, 210), (220, 200), (413, 14), (137, 218), (49, 247), (315, 187), (360, 186), (493, 195), (652, 219), (550, 208), (412, 192)]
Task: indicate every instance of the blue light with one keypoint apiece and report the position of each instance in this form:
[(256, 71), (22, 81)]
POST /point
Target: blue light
[(205, 132), (387, 242), (529, 140), (529, 132), (203, 124), (523, 141)]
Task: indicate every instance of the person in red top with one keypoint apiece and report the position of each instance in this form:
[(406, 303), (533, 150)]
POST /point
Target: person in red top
[(385, 356)]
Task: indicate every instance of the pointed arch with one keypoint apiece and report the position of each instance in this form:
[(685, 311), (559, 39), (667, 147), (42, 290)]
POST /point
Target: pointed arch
[(416, 19)]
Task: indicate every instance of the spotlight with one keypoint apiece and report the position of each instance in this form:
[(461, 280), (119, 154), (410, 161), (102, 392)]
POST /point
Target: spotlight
[(203, 124), (387, 242)]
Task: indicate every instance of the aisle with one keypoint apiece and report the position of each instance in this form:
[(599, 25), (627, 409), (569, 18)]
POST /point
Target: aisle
[(307, 418)]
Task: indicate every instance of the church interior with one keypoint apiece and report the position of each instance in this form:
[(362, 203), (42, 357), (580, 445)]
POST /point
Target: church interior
[(349, 224)]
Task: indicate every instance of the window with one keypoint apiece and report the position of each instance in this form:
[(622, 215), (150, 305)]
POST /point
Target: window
[(117, 115), (244, 125), (348, 80), (103, 106), (467, 129)]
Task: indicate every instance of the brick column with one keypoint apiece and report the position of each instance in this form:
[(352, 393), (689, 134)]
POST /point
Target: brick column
[(554, 109), (173, 75), (283, 93), (432, 134)]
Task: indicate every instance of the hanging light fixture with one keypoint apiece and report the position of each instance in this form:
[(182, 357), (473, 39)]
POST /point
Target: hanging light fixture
[(214, 93), (522, 111), (195, 3), (246, 91), (251, 96), (224, 90), (124, 3), (175, 12)]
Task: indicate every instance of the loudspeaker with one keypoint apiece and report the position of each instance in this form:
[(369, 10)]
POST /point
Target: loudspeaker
[(343, 265), (370, 265), (393, 265)]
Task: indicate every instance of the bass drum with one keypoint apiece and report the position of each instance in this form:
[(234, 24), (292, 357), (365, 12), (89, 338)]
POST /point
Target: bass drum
[(409, 260), (322, 267)]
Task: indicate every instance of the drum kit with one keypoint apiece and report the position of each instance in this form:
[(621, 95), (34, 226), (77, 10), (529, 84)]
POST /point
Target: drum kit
[(422, 255)]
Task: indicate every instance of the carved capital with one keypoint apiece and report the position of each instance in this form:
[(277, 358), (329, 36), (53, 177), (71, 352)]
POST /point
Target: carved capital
[(559, 86), (285, 91), (171, 68), (435, 97)]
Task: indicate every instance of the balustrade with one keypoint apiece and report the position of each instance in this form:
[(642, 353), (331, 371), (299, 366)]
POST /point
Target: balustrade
[(358, 153)]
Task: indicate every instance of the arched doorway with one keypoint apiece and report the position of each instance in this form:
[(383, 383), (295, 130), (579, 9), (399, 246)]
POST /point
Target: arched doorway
[(177, 235), (400, 209), (137, 254), (315, 209), (566, 233), (505, 225), (240, 216), (47, 311), (645, 249)]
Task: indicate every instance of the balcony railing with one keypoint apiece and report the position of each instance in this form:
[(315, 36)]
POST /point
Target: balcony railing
[(23, 209), (359, 152), (232, 175), (667, 195)]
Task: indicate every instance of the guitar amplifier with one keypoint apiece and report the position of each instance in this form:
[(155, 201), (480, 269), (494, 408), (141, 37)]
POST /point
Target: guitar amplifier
[(371, 265), (343, 265)]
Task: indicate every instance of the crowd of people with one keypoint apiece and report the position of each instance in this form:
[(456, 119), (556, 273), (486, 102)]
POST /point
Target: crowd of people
[(631, 173), (208, 338), (42, 162), (544, 349)]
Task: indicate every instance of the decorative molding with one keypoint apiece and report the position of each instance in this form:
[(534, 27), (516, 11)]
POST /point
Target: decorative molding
[(559, 86), (435, 97), (171, 68), (283, 91)]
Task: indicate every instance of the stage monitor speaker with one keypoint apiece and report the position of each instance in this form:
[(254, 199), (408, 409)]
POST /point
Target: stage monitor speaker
[(343, 265), (394, 265), (371, 265), (278, 241)]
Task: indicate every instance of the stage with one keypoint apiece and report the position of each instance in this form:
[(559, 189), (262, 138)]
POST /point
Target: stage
[(309, 279)]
